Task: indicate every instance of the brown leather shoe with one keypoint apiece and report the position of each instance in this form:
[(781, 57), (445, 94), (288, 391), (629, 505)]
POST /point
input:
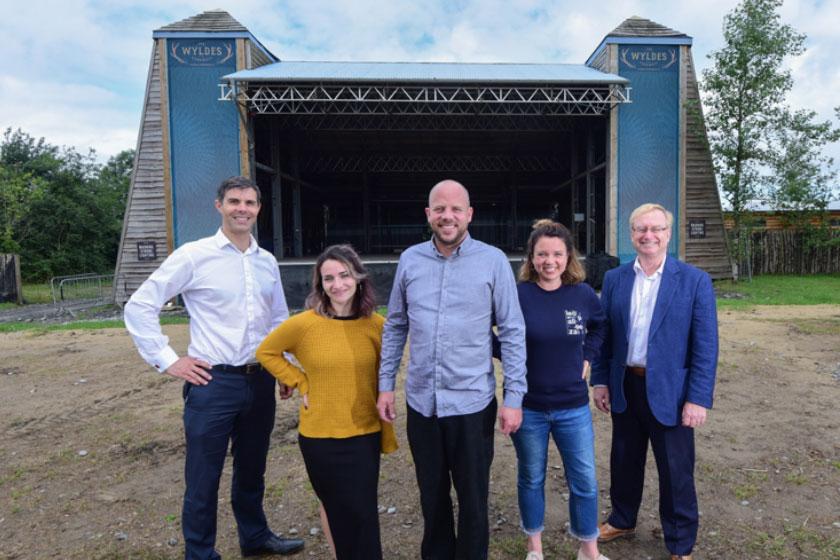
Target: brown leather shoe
[(678, 557), (609, 533)]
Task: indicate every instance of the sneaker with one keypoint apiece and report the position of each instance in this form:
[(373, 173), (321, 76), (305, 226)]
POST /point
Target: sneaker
[(534, 555)]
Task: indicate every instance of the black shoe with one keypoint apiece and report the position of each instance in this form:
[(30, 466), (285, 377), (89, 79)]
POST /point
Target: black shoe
[(275, 545)]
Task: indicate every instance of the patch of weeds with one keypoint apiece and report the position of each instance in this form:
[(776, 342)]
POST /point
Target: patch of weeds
[(797, 478), (509, 546), (16, 474), (276, 490), (794, 542), (745, 491), (756, 475), (767, 545), (170, 518), (836, 465)]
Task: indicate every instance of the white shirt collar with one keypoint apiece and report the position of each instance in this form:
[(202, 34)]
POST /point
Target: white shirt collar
[(658, 272), (221, 240)]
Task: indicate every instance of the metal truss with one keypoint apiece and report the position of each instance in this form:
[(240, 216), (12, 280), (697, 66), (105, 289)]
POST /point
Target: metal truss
[(426, 164), (380, 99), (448, 123)]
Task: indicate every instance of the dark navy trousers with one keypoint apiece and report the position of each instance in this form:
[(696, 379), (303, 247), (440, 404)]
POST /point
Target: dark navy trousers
[(237, 409), (673, 449)]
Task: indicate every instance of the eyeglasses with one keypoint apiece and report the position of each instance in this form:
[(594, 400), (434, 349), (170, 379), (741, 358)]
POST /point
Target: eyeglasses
[(652, 229)]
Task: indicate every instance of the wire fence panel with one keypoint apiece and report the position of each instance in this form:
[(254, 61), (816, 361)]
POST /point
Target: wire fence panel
[(82, 287)]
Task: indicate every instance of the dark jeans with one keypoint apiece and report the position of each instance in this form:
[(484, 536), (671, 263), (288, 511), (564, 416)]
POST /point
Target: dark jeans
[(233, 408), (345, 475), (460, 447), (673, 449)]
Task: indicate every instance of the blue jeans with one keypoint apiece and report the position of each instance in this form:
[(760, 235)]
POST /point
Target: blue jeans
[(572, 431)]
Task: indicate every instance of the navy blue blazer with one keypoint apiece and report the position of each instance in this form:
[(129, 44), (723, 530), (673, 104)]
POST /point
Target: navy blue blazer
[(682, 347)]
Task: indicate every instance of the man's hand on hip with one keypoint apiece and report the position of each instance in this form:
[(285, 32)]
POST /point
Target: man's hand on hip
[(386, 406), (509, 419), (191, 370), (601, 397), (693, 415)]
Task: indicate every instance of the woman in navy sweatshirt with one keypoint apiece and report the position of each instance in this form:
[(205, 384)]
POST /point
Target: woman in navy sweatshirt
[(564, 325)]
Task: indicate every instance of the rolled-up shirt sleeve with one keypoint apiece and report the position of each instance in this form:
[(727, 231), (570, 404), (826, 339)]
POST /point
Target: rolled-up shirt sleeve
[(141, 313)]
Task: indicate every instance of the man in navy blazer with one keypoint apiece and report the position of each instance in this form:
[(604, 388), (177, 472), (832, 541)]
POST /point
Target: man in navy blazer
[(656, 375)]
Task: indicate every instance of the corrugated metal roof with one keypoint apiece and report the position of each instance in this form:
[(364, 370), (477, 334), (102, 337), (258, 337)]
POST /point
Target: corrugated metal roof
[(299, 71)]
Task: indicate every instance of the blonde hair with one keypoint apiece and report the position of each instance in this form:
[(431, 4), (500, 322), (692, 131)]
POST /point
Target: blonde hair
[(574, 273), (650, 207)]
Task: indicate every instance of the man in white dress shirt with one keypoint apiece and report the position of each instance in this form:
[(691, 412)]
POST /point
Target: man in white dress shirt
[(232, 291)]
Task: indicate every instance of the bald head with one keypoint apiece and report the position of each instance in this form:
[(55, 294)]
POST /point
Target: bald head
[(449, 213), (450, 188)]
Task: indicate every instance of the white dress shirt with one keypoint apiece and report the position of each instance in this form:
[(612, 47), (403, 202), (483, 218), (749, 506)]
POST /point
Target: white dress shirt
[(642, 303), (234, 299)]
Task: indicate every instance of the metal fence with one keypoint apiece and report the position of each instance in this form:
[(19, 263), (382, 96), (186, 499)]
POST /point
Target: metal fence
[(82, 287)]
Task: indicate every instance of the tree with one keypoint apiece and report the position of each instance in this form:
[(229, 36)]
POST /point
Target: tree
[(803, 179), (745, 91), (60, 209)]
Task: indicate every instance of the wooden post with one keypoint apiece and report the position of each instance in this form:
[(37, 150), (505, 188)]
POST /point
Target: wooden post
[(18, 282)]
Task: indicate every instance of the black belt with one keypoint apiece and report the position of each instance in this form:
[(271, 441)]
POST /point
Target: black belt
[(636, 370), (247, 369)]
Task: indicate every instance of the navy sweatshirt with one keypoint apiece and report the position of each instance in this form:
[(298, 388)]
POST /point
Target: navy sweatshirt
[(563, 327)]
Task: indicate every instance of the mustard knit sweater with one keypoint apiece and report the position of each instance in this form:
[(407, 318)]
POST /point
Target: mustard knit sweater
[(340, 360)]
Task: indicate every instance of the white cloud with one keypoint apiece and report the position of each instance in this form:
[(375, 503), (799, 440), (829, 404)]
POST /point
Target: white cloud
[(78, 115), (74, 71)]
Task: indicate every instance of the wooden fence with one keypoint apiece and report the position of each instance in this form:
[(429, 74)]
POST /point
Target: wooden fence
[(11, 288), (789, 252)]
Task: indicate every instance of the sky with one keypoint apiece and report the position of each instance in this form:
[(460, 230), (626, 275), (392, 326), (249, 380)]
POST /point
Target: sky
[(74, 71)]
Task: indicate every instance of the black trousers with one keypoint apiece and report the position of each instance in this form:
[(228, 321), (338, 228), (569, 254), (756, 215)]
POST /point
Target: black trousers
[(345, 476), (673, 449), (454, 450)]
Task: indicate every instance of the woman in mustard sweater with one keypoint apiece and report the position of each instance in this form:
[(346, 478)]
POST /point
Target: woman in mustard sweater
[(337, 342)]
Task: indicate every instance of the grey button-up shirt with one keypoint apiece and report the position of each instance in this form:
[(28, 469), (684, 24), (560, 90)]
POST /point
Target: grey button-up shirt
[(448, 306)]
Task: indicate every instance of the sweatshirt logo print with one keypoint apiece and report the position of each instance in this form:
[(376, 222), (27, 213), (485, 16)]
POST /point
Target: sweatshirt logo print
[(574, 323)]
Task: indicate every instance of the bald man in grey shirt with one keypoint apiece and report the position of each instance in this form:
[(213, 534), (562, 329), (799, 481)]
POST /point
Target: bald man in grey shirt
[(447, 294)]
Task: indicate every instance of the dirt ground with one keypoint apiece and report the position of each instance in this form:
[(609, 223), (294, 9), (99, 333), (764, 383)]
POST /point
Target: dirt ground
[(92, 455)]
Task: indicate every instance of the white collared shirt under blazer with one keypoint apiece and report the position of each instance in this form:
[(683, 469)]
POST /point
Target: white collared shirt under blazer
[(642, 304), (234, 299)]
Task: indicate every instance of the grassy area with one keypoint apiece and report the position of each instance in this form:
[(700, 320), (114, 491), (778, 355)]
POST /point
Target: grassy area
[(779, 290), (37, 293), (81, 325)]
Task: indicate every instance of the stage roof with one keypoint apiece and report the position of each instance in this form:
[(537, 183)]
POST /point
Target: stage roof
[(426, 72)]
